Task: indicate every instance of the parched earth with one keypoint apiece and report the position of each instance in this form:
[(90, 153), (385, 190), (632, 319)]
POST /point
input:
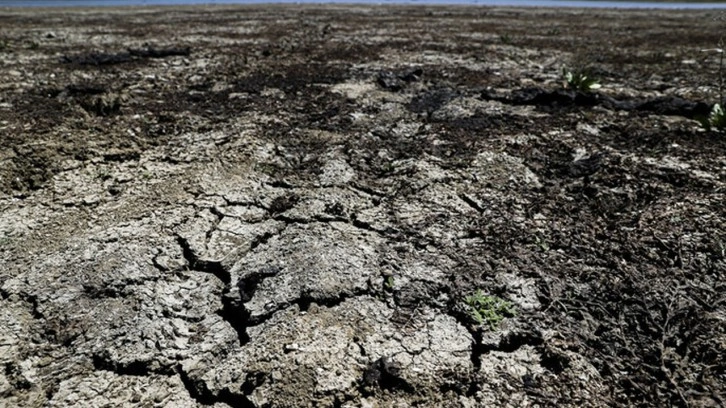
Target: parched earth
[(288, 206)]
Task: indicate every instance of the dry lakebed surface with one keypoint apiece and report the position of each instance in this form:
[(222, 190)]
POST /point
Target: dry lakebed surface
[(360, 206)]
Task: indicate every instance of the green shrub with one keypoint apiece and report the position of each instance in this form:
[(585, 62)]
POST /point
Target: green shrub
[(580, 80), (506, 39), (488, 309), (715, 120)]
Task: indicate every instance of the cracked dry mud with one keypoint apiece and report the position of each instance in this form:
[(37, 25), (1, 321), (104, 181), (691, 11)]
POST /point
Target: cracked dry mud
[(286, 206)]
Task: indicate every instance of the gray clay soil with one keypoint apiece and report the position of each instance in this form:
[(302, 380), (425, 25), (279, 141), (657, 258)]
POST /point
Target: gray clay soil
[(287, 206)]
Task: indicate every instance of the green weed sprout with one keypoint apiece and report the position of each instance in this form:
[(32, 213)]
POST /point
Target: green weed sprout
[(580, 80), (488, 309), (716, 119), (506, 39)]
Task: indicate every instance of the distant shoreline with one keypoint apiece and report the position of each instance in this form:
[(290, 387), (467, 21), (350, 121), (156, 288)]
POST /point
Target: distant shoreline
[(625, 4)]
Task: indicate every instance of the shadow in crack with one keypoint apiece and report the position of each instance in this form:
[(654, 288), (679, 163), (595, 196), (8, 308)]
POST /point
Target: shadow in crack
[(198, 390)]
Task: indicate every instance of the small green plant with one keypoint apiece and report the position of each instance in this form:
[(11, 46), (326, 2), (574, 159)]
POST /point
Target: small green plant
[(506, 39), (488, 309), (541, 244), (580, 80), (389, 283), (716, 119), (388, 168)]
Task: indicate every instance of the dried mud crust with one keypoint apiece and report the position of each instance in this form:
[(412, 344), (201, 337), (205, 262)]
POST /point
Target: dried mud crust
[(286, 206)]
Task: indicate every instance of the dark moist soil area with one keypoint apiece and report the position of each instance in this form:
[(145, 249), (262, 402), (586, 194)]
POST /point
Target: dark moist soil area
[(630, 268)]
